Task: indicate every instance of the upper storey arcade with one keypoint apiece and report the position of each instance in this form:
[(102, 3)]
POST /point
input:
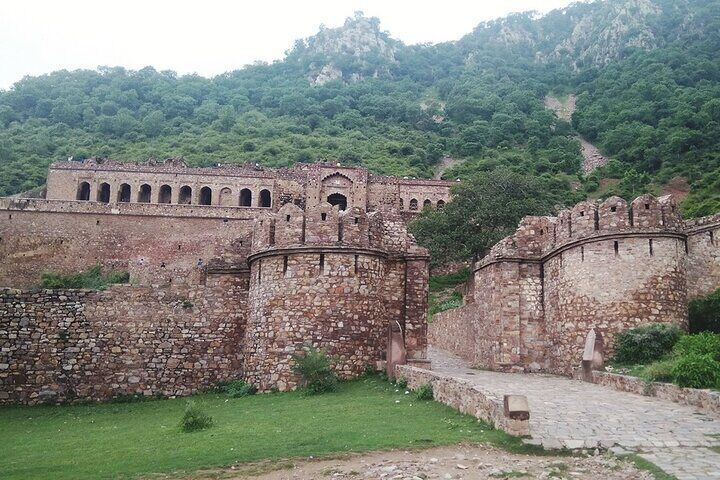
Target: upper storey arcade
[(305, 185)]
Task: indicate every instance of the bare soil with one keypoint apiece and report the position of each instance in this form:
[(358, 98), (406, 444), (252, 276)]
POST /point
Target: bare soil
[(453, 462)]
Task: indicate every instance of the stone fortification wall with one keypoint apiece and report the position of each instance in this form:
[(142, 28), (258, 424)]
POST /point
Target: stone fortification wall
[(68, 236), (332, 280), (66, 345), (609, 266)]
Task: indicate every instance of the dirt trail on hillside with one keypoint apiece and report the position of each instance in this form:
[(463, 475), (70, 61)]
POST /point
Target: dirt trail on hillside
[(592, 158), (452, 462), (445, 164)]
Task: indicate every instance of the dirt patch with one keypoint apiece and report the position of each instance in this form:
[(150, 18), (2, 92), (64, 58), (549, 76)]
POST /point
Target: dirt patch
[(592, 158), (678, 187), (563, 108), (453, 462), (445, 164)]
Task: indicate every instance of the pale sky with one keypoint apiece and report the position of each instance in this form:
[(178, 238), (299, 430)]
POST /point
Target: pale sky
[(211, 36)]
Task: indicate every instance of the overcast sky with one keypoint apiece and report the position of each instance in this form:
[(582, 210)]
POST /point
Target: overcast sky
[(210, 36)]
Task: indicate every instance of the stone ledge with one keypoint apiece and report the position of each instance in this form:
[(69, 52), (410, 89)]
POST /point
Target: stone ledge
[(464, 396), (706, 400)]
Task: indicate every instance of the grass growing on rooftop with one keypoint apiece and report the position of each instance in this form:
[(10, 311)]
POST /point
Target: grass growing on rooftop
[(126, 440)]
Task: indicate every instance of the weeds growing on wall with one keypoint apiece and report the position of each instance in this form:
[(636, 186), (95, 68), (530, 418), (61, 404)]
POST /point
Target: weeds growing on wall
[(424, 392), (235, 388), (92, 279), (315, 371)]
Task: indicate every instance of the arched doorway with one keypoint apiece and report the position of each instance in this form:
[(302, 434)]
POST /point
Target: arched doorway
[(104, 193), (226, 197), (83, 191), (165, 194), (185, 197), (265, 198), (338, 199), (246, 197), (205, 196), (145, 193), (123, 195)]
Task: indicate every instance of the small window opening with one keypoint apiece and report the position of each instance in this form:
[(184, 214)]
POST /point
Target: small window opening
[(650, 246), (97, 222), (356, 263), (323, 216), (613, 209), (542, 232), (356, 220), (259, 271), (616, 246), (712, 237), (287, 218), (582, 214), (647, 206), (322, 262), (285, 264)]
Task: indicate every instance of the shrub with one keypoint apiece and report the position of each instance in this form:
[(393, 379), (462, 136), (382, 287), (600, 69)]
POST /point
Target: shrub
[(195, 419), (704, 314), (91, 278), (705, 343), (646, 344), (236, 388), (401, 383), (661, 371), (316, 373), (697, 371), (424, 392)]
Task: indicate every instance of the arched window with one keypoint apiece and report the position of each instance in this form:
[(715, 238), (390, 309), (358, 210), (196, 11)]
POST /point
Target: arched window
[(185, 197), (144, 193), (104, 193), (265, 199), (165, 194), (441, 204), (427, 203), (83, 191), (246, 197), (413, 204), (226, 197), (402, 204), (205, 196), (338, 199), (123, 195)]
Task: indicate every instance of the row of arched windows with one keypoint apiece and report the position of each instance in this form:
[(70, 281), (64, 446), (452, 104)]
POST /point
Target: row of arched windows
[(165, 195), (427, 203)]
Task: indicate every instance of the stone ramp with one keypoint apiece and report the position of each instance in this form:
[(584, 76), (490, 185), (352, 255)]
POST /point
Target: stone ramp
[(566, 413)]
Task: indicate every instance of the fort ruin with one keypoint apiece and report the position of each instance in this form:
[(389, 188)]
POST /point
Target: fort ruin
[(234, 269)]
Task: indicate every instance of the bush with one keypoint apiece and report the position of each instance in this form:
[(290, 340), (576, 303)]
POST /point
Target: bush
[(705, 343), (195, 419), (91, 278), (424, 392), (236, 388), (316, 373), (646, 344), (661, 371), (697, 371), (401, 383), (704, 314)]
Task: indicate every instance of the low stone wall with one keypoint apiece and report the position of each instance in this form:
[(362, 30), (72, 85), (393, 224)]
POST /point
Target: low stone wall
[(706, 400), (465, 397), (67, 345)]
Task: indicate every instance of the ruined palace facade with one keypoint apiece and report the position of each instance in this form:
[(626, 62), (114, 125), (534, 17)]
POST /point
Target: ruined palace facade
[(233, 270), (607, 266)]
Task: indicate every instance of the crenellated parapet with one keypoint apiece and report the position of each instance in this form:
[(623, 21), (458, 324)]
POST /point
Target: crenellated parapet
[(539, 237)]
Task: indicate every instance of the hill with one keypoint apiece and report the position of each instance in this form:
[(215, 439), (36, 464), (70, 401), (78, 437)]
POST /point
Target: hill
[(645, 74)]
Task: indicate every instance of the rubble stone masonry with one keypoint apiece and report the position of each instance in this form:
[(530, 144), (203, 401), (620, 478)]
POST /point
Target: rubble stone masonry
[(608, 266), (232, 271)]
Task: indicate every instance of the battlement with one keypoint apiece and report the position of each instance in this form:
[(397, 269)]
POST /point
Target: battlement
[(538, 237)]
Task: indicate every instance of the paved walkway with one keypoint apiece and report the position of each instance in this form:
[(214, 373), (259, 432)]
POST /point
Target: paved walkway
[(574, 414)]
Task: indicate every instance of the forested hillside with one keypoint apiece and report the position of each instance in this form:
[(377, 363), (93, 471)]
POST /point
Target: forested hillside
[(646, 74)]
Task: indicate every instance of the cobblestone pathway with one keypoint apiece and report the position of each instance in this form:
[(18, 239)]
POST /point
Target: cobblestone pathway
[(574, 414)]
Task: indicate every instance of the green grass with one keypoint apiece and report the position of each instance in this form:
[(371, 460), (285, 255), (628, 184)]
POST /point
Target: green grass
[(93, 278), (131, 439), (657, 472)]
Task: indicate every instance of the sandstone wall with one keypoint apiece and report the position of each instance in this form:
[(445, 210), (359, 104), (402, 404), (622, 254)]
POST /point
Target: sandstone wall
[(67, 237), (592, 286), (703, 260), (64, 345), (301, 299)]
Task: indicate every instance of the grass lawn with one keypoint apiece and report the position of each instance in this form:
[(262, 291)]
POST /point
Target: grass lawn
[(127, 440)]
